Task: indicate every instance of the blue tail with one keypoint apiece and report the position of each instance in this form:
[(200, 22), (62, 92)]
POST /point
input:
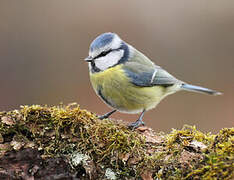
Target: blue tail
[(189, 87)]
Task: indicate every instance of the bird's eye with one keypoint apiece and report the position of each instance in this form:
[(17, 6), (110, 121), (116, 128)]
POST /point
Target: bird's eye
[(104, 53)]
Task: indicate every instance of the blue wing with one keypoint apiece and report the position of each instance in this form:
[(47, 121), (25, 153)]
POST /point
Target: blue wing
[(147, 76)]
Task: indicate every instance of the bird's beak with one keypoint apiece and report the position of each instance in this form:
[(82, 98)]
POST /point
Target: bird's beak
[(88, 59)]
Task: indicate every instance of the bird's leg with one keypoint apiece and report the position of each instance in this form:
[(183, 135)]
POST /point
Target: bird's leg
[(106, 115), (138, 122)]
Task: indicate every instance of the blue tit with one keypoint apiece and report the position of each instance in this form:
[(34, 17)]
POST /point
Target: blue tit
[(127, 80)]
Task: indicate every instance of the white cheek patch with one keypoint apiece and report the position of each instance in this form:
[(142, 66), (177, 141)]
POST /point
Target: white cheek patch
[(109, 60)]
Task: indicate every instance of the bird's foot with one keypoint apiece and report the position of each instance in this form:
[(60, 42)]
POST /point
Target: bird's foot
[(105, 116), (136, 124)]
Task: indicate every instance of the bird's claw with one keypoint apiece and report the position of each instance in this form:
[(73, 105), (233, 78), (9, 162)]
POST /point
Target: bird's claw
[(136, 124), (105, 116), (102, 117)]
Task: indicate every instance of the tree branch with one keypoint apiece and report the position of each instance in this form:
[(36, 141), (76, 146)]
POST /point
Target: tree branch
[(66, 142)]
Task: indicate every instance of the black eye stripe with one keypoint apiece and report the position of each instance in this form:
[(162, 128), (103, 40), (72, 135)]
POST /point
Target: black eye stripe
[(104, 53)]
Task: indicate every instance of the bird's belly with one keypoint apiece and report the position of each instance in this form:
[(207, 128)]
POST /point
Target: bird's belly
[(117, 91)]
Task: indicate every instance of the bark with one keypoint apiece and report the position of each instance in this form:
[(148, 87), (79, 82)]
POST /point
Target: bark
[(66, 142)]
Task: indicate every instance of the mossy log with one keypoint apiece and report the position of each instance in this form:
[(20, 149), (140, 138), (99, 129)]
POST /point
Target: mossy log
[(66, 142)]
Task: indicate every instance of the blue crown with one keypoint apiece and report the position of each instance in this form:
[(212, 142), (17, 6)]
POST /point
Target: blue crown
[(101, 41)]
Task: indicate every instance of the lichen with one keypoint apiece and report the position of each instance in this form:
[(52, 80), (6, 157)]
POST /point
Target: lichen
[(99, 146), (110, 174), (78, 158)]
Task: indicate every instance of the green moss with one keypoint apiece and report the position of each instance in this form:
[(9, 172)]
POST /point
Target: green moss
[(65, 130), (219, 161)]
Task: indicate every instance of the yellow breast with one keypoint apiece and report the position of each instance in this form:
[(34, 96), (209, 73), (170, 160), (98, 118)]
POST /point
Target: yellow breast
[(116, 89)]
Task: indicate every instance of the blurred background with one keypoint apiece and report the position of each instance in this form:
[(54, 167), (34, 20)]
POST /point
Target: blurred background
[(43, 44)]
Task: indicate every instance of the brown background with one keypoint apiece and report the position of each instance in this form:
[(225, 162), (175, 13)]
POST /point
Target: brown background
[(43, 44)]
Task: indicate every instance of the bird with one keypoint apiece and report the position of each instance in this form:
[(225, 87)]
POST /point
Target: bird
[(127, 80)]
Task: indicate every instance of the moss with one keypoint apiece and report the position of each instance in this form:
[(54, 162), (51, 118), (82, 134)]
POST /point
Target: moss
[(219, 161), (109, 145)]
